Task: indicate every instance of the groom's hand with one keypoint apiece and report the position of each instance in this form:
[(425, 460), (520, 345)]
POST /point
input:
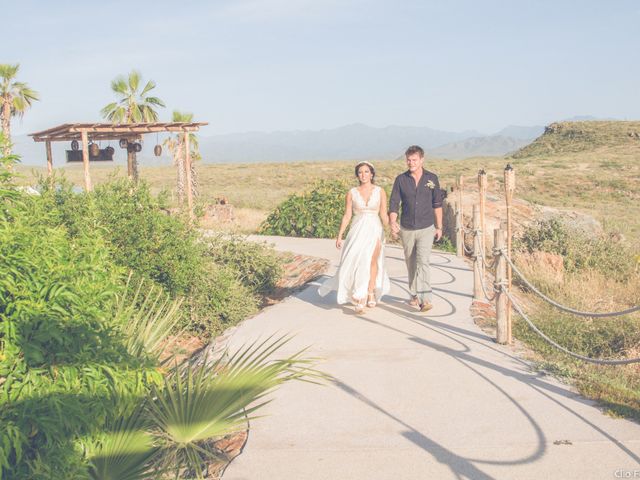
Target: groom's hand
[(438, 234)]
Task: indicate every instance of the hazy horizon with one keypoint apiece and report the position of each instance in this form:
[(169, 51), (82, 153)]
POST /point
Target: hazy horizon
[(277, 65)]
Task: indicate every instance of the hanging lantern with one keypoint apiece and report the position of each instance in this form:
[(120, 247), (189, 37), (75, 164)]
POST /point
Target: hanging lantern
[(75, 146), (94, 149), (109, 151), (137, 147), (157, 150), (123, 143)]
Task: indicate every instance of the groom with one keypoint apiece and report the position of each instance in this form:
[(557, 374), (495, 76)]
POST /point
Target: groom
[(418, 191)]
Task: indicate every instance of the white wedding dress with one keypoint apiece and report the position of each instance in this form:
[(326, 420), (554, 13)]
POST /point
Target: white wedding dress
[(352, 278)]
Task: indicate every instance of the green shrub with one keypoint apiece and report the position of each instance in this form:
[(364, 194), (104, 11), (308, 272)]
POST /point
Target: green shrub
[(445, 245), (578, 250), (314, 214), (62, 360), (219, 300), (256, 265), (165, 249)]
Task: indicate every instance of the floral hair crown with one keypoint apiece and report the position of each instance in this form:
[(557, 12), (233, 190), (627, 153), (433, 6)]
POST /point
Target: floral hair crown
[(366, 163)]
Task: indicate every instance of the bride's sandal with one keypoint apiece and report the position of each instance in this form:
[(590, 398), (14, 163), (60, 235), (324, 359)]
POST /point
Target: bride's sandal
[(371, 300), (360, 306)]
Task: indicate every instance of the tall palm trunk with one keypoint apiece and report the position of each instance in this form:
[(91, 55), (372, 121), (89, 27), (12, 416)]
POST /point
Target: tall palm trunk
[(6, 127), (181, 177), (194, 179)]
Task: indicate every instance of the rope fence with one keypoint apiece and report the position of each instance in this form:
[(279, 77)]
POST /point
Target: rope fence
[(500, 292)]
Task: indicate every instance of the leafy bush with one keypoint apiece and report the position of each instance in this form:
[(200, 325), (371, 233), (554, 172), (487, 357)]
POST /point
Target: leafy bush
[(219, 278), (578, 250), (62, 360), (219, 300), (142, 236), (314, 214), (257, 267)]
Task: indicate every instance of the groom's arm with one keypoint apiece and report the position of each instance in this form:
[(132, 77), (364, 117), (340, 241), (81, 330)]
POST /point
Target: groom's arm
[(394, 207)]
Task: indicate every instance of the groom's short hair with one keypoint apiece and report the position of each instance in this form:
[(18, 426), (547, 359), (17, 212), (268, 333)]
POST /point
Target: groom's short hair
[(414, 149)]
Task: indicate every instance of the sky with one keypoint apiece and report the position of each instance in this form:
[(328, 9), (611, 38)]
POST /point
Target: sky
[(269, 65)]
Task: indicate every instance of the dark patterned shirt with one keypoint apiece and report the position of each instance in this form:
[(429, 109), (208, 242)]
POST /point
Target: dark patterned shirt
[(417, 201)]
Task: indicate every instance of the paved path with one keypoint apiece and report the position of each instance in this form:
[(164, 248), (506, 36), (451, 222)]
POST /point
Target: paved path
[(420, 396)]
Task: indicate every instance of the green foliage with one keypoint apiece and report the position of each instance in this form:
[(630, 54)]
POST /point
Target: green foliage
[(219, 300), (79, 347), (445, 245), (219, 278), (257, 267), (198, 402), (62, 359), (314, 214), (578, 250), (146, 318)]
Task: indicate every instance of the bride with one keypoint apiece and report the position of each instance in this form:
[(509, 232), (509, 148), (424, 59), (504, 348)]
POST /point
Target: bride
[(361, 277)]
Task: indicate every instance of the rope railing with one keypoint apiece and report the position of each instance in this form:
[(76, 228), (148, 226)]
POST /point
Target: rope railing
[(501, 286), (502, 266), (597, 361), (560, 306)]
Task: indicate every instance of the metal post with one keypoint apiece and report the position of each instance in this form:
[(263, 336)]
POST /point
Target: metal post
[(502, 332), (477, 255)]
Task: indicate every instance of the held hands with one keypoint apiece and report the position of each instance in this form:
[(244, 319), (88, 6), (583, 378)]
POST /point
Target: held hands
[(395, 229)]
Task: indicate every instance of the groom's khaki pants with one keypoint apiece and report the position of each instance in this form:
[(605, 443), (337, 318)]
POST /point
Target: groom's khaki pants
[(417, 250)]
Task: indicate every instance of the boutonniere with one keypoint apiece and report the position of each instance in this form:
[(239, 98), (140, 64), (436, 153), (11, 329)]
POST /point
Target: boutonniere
[(431, 185)]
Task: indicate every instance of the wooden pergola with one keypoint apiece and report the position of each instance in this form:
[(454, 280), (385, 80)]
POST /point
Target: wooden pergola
[(132, 132)]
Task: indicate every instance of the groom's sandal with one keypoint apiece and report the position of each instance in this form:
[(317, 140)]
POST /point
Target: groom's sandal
[(414, 302), (425, 307), (371, 300)]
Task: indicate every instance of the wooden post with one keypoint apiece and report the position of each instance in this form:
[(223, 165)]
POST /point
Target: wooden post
[(459, 239), (49, 159), (509, 187), (482, 194), (460, 220), (85, 161), (477, 256), (130, 163), (187, 167), (502, 333)]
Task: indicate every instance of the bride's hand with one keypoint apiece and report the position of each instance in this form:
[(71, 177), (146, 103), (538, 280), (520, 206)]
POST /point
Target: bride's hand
[(339, 243)]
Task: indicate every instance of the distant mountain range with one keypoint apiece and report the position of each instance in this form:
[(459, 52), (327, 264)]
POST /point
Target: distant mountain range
[(350, 142)]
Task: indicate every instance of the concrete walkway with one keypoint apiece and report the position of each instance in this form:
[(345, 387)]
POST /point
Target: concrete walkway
[(419, 396)]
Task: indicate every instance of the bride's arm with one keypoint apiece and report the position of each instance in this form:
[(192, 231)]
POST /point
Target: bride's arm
[(346, 218), (383, 207)]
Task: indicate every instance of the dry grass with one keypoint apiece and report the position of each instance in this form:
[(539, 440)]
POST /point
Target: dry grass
[(604, 183)]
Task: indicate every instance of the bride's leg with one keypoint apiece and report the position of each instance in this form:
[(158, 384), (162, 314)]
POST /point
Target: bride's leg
[(374, 267)]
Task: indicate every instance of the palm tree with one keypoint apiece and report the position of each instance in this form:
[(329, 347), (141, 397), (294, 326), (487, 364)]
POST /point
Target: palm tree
[(175, 144), (15, 99), (133, 105)]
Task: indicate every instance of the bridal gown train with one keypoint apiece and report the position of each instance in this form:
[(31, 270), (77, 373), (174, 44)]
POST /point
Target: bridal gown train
[(352, 278)]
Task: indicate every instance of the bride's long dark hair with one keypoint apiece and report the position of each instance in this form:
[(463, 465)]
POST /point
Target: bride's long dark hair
[(371, 169)]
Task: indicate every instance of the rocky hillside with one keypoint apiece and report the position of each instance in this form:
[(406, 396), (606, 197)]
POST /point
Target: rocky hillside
[(575, 137)]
